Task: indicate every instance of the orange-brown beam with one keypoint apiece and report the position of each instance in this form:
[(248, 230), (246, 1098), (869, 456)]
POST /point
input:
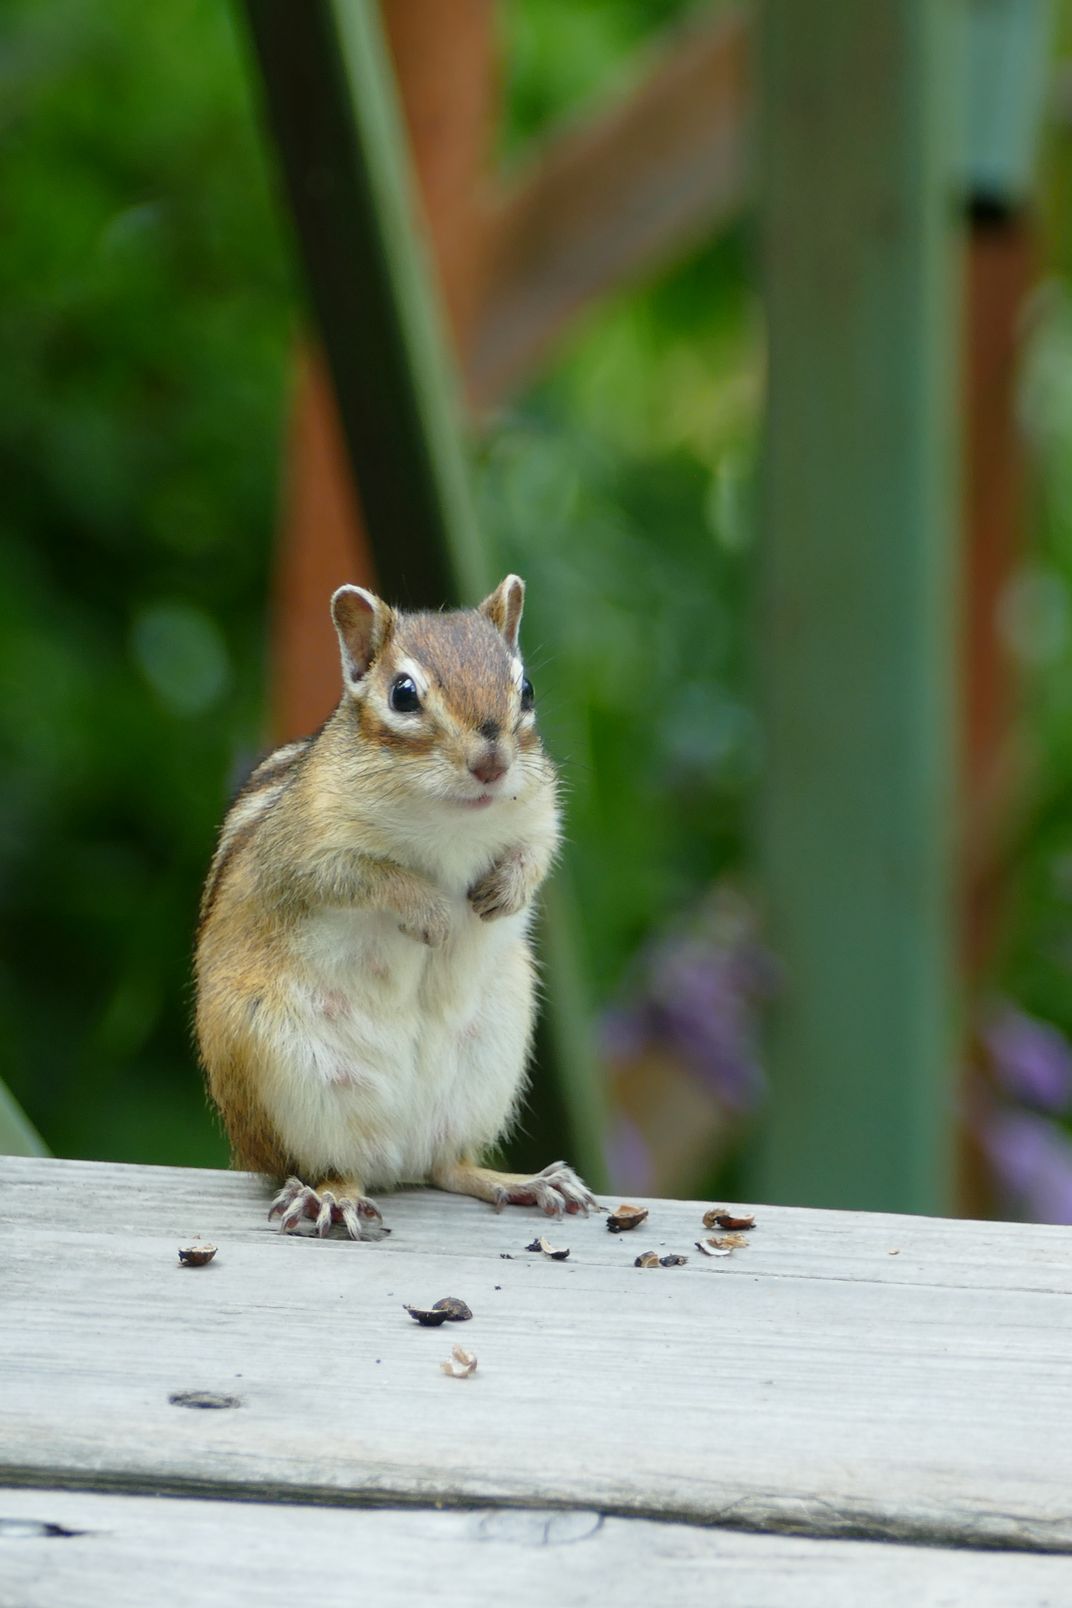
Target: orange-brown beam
[(444, 59), (1000, 271)]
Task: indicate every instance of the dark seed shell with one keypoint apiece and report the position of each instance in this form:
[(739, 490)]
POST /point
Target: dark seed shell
[(626, 1217), (541, 1244), (456, 1309), (196, 1255), (672, 1261), (719, 1217), (428, 1319)]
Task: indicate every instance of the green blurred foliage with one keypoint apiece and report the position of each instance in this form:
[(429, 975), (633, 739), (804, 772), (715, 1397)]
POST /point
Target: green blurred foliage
[(147, 311)]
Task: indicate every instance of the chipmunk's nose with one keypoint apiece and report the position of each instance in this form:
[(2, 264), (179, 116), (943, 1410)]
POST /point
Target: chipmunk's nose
[(490, 766)]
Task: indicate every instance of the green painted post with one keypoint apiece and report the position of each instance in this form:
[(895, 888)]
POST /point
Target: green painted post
[(857, 639)]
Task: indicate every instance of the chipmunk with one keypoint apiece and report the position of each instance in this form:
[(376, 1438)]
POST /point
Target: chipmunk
[(365, 983)]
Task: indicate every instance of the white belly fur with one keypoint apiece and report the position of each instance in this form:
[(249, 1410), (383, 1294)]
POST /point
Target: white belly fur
[(394, 1058)]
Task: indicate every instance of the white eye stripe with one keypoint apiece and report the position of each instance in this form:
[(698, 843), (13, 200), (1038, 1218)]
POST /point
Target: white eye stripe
[(419, 677), (404, 725), (404, 721)]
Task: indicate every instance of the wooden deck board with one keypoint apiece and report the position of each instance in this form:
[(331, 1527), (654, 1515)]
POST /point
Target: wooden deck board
[(214, 1554), (812, 1382)]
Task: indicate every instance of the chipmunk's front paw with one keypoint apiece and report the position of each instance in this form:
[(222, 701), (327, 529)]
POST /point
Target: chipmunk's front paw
[(298, 1203), (430, 925), (505, 889), (555, 1190)]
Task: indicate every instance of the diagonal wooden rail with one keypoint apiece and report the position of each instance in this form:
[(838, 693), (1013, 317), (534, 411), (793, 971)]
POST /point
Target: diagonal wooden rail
[(611, 198)]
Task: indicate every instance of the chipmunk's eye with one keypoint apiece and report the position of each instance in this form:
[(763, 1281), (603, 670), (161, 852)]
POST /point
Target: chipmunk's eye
[(404, 697), (528, 697)]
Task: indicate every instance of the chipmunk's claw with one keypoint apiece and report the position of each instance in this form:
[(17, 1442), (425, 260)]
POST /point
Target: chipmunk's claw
[(297, 1203), (556, 1190)]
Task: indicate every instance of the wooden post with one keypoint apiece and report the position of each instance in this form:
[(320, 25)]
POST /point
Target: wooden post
[(330, 98), (447, 83), (322, 542), (1008, 55), (993, 756), (858, 614)]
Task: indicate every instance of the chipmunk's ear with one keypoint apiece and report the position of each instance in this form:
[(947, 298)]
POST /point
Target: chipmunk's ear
[(503, 608), (364, 622)]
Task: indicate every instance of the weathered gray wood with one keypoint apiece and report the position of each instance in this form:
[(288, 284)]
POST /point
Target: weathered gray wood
[(812, 1382), (131, 1551)]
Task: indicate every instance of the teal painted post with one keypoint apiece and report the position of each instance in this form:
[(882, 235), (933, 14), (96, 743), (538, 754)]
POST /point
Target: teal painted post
[(858, 632)]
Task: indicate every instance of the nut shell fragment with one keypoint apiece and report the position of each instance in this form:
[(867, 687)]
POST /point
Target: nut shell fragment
[(196, 1255), (456, 1309), (460, 1364), (428, 1318), (673, 1261), (719, 1217), (541, 1244), (647, 1259), (626, 1217)]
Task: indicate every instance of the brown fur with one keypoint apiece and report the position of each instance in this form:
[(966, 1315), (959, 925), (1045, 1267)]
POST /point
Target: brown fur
[(220, 866), (466, 659), (271, 771), (295, 854)]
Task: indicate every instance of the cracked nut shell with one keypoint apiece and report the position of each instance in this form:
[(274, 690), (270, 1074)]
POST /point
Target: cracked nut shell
[(196, 1255), (428, 1318), (626, 1217), (454, 1307)]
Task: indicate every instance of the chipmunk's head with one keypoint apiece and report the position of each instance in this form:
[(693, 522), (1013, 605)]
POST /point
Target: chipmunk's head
[(445, 695)]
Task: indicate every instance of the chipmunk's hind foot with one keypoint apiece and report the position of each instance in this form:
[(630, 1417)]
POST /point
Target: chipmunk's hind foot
[(556, 1190), (335, 1203)]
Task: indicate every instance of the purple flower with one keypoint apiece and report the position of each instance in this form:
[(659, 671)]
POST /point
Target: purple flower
[(1032, 1060), (628, 1158), (697, 992), (1032, 1160)]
